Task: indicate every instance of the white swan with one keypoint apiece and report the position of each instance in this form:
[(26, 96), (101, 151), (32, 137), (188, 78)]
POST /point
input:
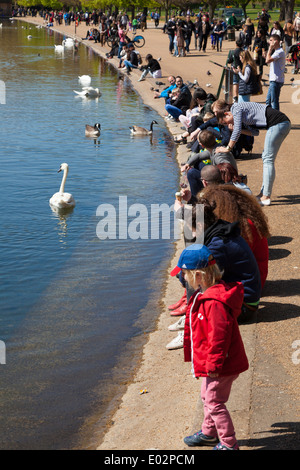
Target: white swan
[(69, 42), (88, 92), (59, 48), (62, 200), (85, 80)]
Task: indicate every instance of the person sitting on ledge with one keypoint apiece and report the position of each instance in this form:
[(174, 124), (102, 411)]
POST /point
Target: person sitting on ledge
[(153, 68), (182, 103)]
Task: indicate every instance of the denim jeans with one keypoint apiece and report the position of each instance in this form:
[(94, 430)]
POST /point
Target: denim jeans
[(171, 44), (274, 138), (273, 95), (129, 65), (244, 98), (175, 112)]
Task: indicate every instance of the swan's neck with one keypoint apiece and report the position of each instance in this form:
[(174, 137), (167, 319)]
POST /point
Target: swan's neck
[(63, 181)]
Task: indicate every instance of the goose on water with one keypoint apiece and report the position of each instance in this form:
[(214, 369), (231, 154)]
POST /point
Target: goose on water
[(92, 131), (62, 200), (85, 80), (136, 130), (88, 92)]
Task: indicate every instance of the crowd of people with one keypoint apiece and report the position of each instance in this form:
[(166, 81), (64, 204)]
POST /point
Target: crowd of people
[(222, 275)]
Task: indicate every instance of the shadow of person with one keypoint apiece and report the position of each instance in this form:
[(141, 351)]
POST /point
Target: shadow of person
[(278, 253), (274, 311), (282, 436), (282, 288), (279, 240)]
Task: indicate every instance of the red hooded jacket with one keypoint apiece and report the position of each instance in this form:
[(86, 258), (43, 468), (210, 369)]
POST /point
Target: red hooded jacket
[(212, 340)]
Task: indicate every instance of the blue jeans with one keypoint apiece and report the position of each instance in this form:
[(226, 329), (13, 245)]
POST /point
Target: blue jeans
[(244, 98), (175, 112), (171, 44), (273, 95), (129, 65), (274, 138)]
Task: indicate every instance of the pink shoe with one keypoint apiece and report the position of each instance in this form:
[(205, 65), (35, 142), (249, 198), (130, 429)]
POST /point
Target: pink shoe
[(179, 303), (179, 311)]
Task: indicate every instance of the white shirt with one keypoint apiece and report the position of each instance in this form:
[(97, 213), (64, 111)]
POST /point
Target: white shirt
[(277, 66)]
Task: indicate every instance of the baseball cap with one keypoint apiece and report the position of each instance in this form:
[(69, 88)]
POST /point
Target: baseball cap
[(195, 256)]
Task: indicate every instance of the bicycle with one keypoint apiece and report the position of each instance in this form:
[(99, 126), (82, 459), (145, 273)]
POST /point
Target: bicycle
[(138, 41)]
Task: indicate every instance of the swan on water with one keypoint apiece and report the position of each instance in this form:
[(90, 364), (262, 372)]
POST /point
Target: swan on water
[(69, 42), (92, 131), (62, 200), (85, 80), (136, 130), (88, 92), (59, 48)]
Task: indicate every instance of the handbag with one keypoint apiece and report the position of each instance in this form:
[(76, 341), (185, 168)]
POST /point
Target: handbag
[(258, 86)]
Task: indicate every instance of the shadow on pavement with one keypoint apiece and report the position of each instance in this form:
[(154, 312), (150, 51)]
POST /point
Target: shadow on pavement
[(282, 436)]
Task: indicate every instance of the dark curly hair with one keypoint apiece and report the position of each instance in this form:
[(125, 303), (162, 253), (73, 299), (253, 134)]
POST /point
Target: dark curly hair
[(234, 204)]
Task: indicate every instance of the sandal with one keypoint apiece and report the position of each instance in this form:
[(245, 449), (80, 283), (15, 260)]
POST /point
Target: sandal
[(180, 140)]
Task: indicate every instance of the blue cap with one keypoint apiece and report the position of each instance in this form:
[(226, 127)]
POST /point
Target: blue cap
[(195, 256)]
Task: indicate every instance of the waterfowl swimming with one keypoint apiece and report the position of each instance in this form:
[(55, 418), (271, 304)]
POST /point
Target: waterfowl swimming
[(59, 48), (85, 80), (68, 42), (93, 131), (62, 200), (88, 92), (135, 130)]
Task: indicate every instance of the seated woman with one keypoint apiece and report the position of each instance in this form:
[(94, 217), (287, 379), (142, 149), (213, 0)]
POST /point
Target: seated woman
[(230, 175), (153, 68), (234, 257), (232, 204)]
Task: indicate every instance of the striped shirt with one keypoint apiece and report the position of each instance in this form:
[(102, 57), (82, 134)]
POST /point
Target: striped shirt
[(250, 115)]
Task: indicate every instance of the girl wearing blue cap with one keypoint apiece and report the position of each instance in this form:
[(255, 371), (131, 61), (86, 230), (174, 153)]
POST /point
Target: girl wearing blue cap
[(212, 343)]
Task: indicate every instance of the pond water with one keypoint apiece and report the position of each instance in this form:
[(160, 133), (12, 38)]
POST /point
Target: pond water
[(74, 307)]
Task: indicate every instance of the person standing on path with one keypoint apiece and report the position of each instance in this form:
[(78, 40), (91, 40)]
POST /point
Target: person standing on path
[(212, 343), (256, 116), (276, 58)]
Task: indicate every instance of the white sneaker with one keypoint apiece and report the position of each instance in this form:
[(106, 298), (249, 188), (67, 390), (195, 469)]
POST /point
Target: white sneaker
[(177, 342), (179, 325)]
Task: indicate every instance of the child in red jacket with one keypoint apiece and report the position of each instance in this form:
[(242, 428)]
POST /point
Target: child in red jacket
[(212, 342)]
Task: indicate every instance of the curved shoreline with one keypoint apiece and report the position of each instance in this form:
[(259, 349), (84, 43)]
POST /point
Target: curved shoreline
[(160, 418)]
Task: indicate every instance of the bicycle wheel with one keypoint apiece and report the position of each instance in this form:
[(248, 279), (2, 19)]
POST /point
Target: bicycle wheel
[(110, 41), (139, 41)]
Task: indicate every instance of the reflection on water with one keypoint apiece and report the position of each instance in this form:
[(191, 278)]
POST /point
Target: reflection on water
[(74, 307)]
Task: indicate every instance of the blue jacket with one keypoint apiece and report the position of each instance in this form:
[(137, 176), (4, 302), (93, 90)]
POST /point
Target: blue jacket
[(234, 257), (166, 91)]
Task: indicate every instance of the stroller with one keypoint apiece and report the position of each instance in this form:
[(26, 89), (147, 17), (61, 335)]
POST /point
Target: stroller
[(294, 58)]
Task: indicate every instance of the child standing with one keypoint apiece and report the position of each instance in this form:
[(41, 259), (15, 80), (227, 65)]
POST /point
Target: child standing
[(212, 342)]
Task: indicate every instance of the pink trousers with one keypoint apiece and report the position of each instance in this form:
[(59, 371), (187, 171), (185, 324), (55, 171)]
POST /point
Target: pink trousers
[(217, 421)]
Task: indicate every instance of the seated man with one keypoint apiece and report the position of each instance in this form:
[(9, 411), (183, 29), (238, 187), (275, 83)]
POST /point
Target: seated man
[(182, 103), (132, 60)]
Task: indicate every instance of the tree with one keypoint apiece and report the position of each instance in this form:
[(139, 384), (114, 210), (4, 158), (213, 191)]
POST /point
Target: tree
[(286, 10)]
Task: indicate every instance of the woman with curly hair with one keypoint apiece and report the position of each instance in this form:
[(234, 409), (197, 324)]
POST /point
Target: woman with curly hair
[(233, 204)]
